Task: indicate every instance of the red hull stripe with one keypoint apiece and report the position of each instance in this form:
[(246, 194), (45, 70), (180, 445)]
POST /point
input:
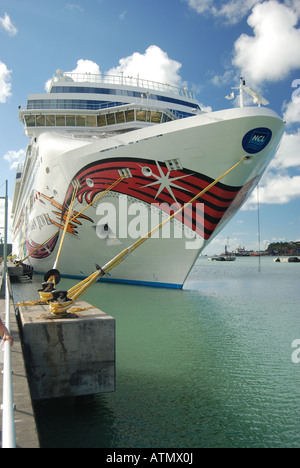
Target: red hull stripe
[(162, 186), (43, 251)]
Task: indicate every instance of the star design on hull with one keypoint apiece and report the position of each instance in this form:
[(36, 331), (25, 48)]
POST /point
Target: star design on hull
[(165, 182)]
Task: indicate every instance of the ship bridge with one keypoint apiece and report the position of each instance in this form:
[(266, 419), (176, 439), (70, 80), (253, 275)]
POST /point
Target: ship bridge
[(96, 103)]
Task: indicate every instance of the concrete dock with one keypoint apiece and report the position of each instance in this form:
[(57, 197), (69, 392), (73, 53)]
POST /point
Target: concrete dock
[(68, 356), (25, 424)]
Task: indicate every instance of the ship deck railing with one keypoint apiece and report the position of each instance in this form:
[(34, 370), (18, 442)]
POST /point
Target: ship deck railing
[(121, 80)]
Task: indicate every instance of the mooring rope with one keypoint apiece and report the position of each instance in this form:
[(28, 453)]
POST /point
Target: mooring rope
[(70, 211), (78, 290), (62, 305)]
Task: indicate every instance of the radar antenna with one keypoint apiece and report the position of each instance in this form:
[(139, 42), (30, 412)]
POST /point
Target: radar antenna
[(257, 98)]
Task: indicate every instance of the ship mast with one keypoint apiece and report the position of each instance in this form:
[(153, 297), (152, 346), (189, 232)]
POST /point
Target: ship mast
[(257, 98), (241, 88)]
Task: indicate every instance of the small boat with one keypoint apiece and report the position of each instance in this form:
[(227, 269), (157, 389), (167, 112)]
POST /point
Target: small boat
[(223, 258), (287, 260), (226, 257)]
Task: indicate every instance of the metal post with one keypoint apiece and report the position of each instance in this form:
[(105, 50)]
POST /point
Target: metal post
[(8, 417), (5, 233)]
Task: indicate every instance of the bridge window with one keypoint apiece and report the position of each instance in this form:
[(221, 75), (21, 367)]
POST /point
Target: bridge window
[(120, 117), (70, 120), (40, 121), (141, 115), (50, 120), (129, 116), (91, 121), (30, 120), (155, 117), (101, 120), (111, 119), (60, 120), (165, 118), (80, 120)]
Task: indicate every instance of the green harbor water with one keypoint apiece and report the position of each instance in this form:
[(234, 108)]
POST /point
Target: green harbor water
[(208, 366)]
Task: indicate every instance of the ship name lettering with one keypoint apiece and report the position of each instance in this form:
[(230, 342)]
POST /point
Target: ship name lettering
[(258, 138)]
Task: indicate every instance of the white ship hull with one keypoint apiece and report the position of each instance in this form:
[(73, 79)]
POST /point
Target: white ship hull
[(168, 163)]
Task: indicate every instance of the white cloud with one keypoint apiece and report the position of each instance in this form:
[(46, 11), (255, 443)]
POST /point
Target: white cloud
[(279, 188), (227, 78), (200, 6), (87, 66), (235, 10), (288, 155), (5, 83), (14, 158), (123, 15), (291, 114), (231, 11), (153, 65), (273, 51), (72, 7), (7, 25), (83, 67)]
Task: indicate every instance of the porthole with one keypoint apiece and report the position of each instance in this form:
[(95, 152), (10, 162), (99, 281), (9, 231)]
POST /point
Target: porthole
[(89, 183), (146, 171)]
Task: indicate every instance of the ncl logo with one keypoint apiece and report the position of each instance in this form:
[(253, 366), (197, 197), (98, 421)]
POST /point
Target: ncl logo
[(256, 140)]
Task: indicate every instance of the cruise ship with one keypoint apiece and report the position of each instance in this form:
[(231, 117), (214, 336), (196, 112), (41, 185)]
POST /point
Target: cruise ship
[(129, 152)]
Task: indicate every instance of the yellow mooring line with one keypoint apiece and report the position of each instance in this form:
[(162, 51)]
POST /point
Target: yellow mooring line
[(70, 211), (72, 295)]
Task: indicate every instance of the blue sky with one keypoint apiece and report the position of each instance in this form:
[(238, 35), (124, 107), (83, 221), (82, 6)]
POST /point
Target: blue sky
[(204, 44)]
